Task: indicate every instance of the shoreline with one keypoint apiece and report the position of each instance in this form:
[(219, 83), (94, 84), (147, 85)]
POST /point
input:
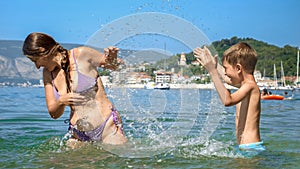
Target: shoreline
[(142, 86), (172, 86)]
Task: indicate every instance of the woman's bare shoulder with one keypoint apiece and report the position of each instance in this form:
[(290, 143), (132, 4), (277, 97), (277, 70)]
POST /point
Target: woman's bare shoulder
[(83, 50), (88, 56)]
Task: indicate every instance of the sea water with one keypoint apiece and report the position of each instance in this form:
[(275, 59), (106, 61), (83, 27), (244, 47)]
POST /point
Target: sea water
[(177, 128)]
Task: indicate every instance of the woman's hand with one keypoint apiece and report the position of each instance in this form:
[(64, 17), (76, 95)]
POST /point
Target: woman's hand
[(111, 60), (71, 99)]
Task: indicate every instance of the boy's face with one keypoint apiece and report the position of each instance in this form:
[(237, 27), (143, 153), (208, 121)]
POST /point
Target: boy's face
[(231, 72)]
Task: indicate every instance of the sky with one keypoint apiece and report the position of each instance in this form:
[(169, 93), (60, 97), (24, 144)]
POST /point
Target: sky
[(276, 22)]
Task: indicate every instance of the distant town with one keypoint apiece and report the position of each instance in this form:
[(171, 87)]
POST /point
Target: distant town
[(165, 72), (135, 76)]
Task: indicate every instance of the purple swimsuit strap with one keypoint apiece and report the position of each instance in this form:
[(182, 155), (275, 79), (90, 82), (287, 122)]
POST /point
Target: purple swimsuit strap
[(56, 94), (84, 82), (116, 119)]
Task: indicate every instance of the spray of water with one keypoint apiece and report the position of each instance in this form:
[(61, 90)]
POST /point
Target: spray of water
[(148, 136)]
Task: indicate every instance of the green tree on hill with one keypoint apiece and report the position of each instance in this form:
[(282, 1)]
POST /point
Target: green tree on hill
[(268, 55)]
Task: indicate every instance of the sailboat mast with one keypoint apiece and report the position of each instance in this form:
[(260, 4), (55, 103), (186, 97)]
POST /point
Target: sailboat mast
[(282, 75), (275, 77), (165, 49), (297, 80)]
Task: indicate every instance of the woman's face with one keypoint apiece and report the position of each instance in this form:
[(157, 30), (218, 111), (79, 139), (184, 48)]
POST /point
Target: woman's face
[(44, 61)]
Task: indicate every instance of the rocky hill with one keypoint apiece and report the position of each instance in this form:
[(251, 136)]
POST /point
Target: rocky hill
[(14, 66)]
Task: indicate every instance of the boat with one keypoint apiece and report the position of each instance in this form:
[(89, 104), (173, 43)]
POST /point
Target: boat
[(297, 83), (41, 84), (272, 97), (284, 86), (150, 85), (275, 79), (162, 86)]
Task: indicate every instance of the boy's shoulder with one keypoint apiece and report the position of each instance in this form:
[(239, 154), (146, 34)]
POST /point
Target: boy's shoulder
[(250, 84)]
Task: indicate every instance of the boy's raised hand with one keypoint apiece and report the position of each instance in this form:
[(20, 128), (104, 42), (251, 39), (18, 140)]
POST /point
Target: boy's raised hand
[(205, 58)]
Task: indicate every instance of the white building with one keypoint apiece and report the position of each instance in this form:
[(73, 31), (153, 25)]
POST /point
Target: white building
[(163, 77), (182, 61)]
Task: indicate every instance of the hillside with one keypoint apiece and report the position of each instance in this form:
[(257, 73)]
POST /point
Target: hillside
[(268, 55), (14, 66)]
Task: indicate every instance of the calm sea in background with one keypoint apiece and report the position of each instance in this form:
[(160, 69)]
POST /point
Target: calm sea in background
[(186, 128)]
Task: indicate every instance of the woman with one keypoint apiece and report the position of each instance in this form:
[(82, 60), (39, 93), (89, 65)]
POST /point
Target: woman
[(71, 79)]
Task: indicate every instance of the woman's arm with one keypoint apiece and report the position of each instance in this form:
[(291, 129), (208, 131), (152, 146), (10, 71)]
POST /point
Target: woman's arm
[(56, 106), (107, 60)]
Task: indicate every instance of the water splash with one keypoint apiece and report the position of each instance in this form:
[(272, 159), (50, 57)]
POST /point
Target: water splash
[(65, 138), (155, 126)]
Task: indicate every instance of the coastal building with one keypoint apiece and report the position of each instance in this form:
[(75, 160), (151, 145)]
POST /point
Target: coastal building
[(119, 77), (182, 61), (137, 77), (162, 77)]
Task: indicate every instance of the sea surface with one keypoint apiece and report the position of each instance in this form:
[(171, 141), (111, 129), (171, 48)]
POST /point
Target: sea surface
[(177, 128)]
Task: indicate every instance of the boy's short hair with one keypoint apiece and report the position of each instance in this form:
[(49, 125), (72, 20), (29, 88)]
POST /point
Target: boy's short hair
[(243, 54)]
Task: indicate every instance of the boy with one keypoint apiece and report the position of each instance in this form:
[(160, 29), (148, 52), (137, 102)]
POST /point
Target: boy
[(238, 66)]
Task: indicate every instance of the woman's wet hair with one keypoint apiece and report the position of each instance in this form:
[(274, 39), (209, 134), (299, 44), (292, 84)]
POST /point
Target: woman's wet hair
[(38, 45)]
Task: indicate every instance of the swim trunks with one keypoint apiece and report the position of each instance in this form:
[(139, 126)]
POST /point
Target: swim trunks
[(253, 146)]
